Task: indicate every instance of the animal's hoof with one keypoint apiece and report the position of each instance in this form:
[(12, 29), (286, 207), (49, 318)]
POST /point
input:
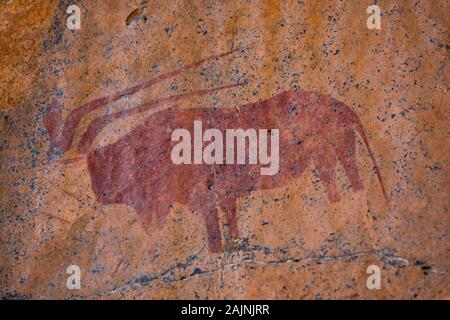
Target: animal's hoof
[(215, 247)]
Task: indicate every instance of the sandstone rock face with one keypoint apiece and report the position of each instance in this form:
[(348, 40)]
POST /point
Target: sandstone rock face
[(87, 179)]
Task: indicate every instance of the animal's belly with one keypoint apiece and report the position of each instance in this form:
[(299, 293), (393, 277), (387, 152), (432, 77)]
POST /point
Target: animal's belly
[(139, 165)]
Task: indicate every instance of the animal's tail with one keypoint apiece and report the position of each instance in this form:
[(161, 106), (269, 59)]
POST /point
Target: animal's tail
[(362, 133), (61, 132)]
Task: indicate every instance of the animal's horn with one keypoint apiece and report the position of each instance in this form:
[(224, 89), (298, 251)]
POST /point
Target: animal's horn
[(62, 142), (97, 125)]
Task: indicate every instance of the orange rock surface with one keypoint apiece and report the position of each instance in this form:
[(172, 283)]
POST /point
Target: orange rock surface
[(293, 243)]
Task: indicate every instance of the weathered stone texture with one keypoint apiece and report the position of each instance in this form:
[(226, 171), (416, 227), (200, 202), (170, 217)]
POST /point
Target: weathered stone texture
[(293, 242)]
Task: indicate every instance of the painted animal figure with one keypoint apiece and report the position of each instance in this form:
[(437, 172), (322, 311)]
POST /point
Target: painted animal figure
[(136, 170)]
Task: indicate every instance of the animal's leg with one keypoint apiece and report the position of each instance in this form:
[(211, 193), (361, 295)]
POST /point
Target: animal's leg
[(153, 208), (228, 206), (161, 210), (145, 213), (346, 152), (206, 205), (212, 229), (325, 163)]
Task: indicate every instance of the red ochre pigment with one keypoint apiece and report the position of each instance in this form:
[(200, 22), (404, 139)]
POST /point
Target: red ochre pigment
[(137, 170)]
